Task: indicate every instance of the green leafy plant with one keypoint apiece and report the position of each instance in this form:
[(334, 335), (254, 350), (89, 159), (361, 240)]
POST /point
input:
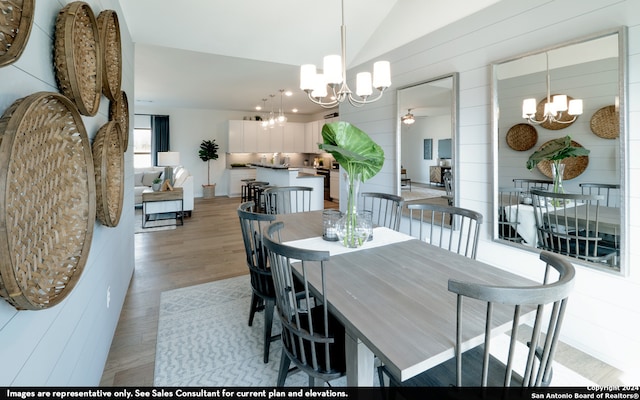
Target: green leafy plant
[(208, 151), (361, 158), (157, 180), (555, 151)]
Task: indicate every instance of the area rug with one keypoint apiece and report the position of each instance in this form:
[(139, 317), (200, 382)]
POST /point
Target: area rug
[(152, 226), (418, 192), (204, 340)]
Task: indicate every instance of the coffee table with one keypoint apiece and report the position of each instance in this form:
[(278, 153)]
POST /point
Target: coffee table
[(162, 202)]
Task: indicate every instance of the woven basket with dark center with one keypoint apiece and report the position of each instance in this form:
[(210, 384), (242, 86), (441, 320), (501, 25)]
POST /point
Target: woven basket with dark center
[(605, 123), (109, 31), (47, 200), (554, 126), (574, 166), (108, 164), (522, 137), (119, 112), (77, 59), (16, 18)]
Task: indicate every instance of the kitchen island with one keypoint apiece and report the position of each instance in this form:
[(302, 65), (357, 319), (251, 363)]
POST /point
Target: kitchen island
[(278, 175)]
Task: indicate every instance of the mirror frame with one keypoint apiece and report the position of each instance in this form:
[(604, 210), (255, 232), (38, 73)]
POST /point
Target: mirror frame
[(623, 138), (454, 106)]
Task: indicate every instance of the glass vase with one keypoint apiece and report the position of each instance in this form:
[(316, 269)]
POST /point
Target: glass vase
[(557, 170), (353, 230)]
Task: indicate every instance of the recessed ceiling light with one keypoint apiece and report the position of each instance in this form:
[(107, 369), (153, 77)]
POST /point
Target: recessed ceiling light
[(258, 108), (288, 93), (295, 110)]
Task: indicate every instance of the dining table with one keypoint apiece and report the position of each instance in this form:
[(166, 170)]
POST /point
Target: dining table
[(391, 294)]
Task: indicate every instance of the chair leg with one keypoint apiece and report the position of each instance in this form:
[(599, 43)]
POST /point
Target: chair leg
[(284, 369), (268, 322), (255, 302)]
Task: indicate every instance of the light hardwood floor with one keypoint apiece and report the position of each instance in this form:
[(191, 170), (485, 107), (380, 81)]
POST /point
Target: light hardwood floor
[(209, 247)]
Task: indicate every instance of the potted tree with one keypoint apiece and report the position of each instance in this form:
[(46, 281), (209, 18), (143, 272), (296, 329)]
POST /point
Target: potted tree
[(208, 151)]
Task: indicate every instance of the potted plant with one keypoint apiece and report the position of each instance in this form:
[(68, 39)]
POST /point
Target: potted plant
[(156, 184), (556, 151), (208, 151), (361, 158)]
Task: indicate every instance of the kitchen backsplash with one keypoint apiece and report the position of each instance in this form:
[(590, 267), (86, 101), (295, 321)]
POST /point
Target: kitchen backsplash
[(295, 159)]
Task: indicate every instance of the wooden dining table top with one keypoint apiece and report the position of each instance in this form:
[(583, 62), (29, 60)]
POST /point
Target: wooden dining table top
[(395, 300)]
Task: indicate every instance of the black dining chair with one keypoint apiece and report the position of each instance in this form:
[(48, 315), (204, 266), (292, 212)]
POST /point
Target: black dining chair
[(453, 228), (385, 208), (528, 184), (447, 179), (312, 338), (569, 224), (287, 199), (509, 199), (262, 289), (523, 362)]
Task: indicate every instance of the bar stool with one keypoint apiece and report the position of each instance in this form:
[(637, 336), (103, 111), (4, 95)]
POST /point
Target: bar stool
[(255, 189), (245, 189)]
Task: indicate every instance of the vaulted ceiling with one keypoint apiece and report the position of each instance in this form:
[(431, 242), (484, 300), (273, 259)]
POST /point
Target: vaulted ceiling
[(230, 54)]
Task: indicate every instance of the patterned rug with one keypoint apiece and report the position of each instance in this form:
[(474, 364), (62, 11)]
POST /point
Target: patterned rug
[(150, 226), (204, 340)]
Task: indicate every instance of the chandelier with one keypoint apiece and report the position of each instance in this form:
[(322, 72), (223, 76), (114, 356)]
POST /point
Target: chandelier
[(272, 120), (553, 109), (408, 118), (334, 75)]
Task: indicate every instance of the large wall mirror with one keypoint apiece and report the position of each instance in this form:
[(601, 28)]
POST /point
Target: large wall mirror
[(427, 126), (593, 70)]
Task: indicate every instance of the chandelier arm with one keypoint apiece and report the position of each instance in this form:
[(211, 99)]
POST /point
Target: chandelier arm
[(322, 104), (366, 100)]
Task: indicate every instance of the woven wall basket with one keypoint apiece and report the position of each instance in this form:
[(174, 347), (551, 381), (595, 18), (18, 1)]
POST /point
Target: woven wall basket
[(77, 57), (119, 112), (521, 137), (605, 123), (109, 32), (47, 200), (554, 126), (574, 166), (16, 18), (108, 164)]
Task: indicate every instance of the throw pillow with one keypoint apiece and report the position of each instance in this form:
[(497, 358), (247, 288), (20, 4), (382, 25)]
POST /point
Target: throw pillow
[(149, 176), (137, 178)]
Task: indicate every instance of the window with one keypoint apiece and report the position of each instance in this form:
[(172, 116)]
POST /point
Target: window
[(142, 142)]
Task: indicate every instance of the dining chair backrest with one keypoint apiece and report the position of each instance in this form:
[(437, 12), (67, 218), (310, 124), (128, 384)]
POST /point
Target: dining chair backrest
[(386, 208), (611, 192), (509, 199), (447, 178), (311, 337), (287, 199), (263, 291), (553, 293), (569, 224), (453, 228), (529, 184)]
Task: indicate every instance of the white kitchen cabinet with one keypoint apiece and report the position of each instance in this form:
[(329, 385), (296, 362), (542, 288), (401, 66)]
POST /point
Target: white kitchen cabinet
[(276, 139), (236, 137), (235, 180), (294, 138), (334, 184), (250, 136)]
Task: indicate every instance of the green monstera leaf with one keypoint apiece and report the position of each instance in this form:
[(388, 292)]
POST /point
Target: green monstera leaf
[(353, 149), (556, 150)]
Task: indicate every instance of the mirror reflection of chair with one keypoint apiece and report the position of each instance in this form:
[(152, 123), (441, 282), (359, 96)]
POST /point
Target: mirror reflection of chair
[(453, 228), (570, 224), (312, 338), (509, 199), (480, 366), (386, 208), (447, 178), (263, 292), (529, 184), (611, 192), (287, 199)]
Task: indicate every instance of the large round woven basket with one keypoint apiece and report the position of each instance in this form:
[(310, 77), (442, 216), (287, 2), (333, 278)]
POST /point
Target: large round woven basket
[(574, 166), (109, 31), (77, 57), (16, 18), (521, 137), (554, 126), (108, 164), (47, 200), (605, 123), (119, 112)]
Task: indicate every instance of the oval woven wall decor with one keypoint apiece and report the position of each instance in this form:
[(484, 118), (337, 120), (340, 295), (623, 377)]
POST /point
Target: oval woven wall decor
[(574, 166), (119, 112), (109, 31), (522, 137), (108, 164), (77, 58), (554, 126), (605, 123), (47, 200), (16, 19)]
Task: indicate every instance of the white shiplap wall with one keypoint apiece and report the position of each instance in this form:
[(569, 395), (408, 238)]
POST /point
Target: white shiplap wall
[(68, 344), (603, 308)]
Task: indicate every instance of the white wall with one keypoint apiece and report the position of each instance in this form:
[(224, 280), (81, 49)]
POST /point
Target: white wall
[(412, 142), (603, 309), (68, 344)]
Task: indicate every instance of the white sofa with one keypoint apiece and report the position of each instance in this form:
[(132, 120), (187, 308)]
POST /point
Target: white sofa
[(143, 178)]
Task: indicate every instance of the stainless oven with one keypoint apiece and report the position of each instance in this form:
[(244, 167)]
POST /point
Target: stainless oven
[(324, 172)]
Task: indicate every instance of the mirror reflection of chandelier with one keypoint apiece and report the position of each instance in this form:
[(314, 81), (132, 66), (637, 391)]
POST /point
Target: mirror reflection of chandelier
[(408, 118), (334, 75), (553, 108)]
